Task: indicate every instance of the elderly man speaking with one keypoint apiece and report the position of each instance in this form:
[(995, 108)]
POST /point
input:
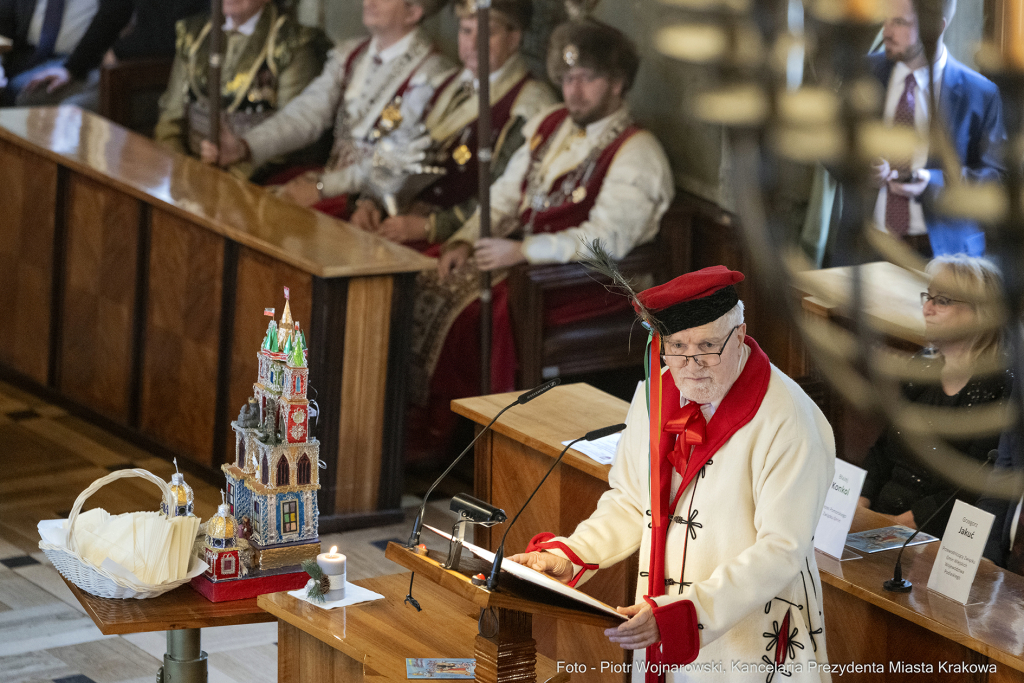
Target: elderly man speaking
[(720, 485)]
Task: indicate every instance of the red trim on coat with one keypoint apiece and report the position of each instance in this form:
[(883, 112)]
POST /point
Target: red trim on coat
[(541, 542), (680, 637)]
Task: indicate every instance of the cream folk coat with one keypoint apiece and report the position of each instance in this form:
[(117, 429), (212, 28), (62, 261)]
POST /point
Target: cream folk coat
[(750, 554)]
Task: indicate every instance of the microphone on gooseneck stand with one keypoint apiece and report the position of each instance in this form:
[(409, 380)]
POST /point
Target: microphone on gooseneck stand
[(492, 581), (417, 526), (897, 584)]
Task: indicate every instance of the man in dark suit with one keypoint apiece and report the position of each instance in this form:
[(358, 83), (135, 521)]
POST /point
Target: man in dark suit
[(71, 73), (971, 112), (39, 37)]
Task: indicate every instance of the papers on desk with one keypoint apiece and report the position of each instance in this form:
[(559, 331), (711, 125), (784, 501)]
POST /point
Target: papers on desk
[(601, 450), (533, 576)]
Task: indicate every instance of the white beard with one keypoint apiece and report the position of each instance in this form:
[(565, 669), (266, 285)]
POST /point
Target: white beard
[(703, 392)]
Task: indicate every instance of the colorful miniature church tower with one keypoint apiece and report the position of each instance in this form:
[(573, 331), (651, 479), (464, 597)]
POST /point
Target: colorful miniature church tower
[(272, 484), (273, 481)]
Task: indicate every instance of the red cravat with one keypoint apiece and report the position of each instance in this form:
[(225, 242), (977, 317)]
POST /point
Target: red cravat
[(690, 427), (897, 208)]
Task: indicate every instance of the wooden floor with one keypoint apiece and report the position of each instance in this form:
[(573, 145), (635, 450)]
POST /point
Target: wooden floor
[(47, 458)]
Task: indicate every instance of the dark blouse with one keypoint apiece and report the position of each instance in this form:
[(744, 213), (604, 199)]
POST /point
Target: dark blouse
[(898, 481)]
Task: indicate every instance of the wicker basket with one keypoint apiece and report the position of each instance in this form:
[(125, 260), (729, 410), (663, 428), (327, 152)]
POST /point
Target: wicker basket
[(96, 580)]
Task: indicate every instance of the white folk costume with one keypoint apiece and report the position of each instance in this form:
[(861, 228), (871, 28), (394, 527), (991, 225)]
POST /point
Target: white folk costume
[(726, 549), (609, 181), (452, 120), (365, 93)]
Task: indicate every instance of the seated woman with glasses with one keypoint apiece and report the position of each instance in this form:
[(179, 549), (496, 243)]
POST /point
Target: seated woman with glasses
[(966, 359)]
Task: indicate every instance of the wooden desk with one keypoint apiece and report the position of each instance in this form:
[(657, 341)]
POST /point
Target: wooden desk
[(135, 279), (892, 297), (372, 640), (181, 612), (6, 45), (866, 624), (510, 462)]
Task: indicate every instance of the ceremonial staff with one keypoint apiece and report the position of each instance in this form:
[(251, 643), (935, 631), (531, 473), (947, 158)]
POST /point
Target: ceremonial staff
[(484, 151), (216, 58)]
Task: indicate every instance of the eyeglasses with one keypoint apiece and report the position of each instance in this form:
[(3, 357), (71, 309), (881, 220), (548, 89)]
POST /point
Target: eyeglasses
[(704, 360), (940, 300)]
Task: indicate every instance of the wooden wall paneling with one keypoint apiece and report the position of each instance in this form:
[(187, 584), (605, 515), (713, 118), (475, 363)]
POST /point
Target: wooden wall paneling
[(140, 314), (99, 297), (326, 346), (259, 284), (393, 445), (222, 413), (182, 333), (26, 260), (361, 421)]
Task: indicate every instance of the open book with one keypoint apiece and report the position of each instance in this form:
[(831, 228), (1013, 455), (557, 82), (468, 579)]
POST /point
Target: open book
[(534, 577)]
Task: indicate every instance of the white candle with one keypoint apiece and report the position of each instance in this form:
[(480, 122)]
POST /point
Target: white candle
[(333, 565)]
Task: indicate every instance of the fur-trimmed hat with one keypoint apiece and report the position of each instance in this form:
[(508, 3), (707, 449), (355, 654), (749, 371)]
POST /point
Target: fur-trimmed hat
[(516, 13), (691, 300), (594, 45)]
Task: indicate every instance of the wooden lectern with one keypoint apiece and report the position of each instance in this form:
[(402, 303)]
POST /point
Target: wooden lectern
[(505, 649)]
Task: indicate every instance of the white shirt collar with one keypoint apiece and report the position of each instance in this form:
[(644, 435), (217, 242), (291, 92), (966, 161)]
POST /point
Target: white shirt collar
[(900, 71), (595, 129), (247, 27), (467, 75), (393, 51)]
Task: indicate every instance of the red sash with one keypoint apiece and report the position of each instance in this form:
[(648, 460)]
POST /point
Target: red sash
[(459, 183), (570, 213)]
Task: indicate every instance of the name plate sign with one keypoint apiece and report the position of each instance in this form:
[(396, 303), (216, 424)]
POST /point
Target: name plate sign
[(840, 505), (962, 544)]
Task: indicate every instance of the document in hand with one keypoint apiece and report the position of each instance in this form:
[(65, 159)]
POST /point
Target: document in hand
[(534, 577)]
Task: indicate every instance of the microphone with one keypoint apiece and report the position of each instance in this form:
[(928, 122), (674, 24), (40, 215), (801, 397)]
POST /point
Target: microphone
[(417, 526), (897, 584), (492, 581)]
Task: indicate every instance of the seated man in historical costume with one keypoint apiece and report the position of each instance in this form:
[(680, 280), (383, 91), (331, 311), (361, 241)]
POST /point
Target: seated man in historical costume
[(452, 120), (268, 60), (369, 88), (720, 486), (588, 171)]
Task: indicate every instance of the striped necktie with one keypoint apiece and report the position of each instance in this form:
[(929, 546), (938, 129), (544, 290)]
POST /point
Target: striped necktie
[(52, 18), (897, 208)]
